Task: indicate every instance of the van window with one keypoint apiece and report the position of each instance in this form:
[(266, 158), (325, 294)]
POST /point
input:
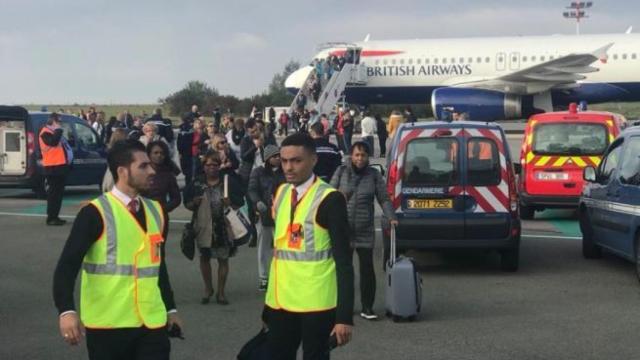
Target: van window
[(431, 162), (86, 137), (483, 162), (630, 168), (569, 139)]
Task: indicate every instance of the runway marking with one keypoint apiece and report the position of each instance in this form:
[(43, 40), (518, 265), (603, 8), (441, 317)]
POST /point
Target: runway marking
[(533, 236)]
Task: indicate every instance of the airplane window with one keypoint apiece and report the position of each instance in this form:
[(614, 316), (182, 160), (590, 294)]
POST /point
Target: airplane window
[(551, 57), (634, 56), (393, 61), (418, 61), (426, 61), (524, 59), (377, 61), (487, 59), (478, 59), (624, 56), (453, 60), (435, 60), (470, 60), (461, 61), (500, 59), (514, 59), (542, 58), (401, 61), (410, 61), (385, 61), (444, 60), (615, 56), (533, 58)]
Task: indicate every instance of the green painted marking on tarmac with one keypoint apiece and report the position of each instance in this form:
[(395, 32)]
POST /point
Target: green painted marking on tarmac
[(563, 220), (69, 200)]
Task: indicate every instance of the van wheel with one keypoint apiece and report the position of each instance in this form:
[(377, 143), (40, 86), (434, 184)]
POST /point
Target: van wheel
[(590, 250), (510, 259), (527, 212), (41, 188)]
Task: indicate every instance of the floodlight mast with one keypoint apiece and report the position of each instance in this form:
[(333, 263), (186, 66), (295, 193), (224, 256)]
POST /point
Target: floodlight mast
[(577, 11)]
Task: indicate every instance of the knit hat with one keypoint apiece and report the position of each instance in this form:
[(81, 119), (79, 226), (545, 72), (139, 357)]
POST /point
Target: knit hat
[(270, 151)]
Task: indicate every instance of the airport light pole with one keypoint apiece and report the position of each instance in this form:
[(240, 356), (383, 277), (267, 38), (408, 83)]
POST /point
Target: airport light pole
[(577, 11)]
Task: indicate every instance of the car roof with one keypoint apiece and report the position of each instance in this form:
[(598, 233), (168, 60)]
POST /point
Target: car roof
[(451, 125), (580, 115)]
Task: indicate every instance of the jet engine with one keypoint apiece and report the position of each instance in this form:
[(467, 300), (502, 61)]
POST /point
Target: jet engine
[(480, 105)]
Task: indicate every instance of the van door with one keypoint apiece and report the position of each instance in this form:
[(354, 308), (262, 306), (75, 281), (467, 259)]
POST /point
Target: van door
[(432, 202), (89, 163), (601, 214), (13, 153), (486, 185)]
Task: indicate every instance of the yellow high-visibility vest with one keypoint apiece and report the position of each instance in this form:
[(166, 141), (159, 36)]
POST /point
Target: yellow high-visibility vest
[(119, 286), (302, 277)]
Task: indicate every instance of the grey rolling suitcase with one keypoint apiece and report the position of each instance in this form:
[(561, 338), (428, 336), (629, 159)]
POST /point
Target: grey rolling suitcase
[(403, 285)]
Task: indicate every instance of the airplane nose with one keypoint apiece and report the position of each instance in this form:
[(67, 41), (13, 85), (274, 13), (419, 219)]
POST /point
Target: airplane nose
[(296, 80)]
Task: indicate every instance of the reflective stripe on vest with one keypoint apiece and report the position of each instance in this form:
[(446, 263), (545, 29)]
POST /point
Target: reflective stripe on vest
[(302, 274), (121, 269), (51, 155)]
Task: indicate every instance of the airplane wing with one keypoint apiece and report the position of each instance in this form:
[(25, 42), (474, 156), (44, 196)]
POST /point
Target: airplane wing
[(562, 72)]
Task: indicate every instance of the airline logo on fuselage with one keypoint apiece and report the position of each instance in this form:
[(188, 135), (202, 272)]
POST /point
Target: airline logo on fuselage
[(421, 70)]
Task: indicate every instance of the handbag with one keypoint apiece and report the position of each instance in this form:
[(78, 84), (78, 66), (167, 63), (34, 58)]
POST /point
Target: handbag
[(238, 226), (188, 240), (256, 348)]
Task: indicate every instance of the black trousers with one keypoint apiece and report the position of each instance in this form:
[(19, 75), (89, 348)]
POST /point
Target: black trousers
[(186, 165), (367, 277), (383, 145), (128, 344), (287, 330), (54, 195)]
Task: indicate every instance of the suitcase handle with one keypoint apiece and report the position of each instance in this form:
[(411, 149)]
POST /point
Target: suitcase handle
[(392, 250)]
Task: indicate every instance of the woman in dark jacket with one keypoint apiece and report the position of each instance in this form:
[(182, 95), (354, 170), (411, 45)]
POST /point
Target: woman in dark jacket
[(361, 185), (164, 186), (263, 182), (205, 197)]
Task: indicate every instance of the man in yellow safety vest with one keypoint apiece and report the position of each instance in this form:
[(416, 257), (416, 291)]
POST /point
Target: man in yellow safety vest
[(309, 297), (126, 302)]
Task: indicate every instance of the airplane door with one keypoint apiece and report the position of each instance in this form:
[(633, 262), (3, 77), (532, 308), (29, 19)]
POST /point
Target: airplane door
[(501, 62), (514, 61)]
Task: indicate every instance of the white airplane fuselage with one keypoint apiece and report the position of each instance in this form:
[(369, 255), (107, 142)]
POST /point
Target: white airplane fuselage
[(408, 71)]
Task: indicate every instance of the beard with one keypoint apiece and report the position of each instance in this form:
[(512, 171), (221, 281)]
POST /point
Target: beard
[(139, 185)]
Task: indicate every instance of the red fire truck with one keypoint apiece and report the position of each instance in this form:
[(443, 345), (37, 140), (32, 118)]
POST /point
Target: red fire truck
[(555, 149)]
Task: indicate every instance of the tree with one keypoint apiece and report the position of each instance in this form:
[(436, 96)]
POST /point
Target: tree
[(278, 94), (195, 92)]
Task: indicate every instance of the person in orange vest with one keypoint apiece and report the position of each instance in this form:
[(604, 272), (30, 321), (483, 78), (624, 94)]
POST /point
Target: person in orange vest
[(57, 157)]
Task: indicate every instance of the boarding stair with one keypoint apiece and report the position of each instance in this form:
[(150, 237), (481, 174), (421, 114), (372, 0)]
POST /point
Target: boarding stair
[(351, 73)]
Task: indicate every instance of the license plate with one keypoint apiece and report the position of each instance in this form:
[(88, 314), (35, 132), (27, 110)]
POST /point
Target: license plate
[(552, 175), (430, 203)]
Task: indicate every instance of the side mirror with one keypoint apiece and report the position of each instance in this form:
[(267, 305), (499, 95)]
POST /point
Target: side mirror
[(378, 167), (517, 168), (589, 174)]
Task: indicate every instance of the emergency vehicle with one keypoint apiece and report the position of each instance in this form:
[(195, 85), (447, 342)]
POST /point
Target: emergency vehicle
[(557, 146), (453, 186)]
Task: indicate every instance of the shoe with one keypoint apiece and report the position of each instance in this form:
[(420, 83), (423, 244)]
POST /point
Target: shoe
[(207, 299), (263, 284), (56, 222), (368, 314), (222, 301)]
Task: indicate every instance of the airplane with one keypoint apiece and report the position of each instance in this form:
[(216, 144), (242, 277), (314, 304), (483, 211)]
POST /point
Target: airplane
[(491, 78)]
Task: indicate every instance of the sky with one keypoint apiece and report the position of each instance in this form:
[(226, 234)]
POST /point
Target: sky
[(135, 52)]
